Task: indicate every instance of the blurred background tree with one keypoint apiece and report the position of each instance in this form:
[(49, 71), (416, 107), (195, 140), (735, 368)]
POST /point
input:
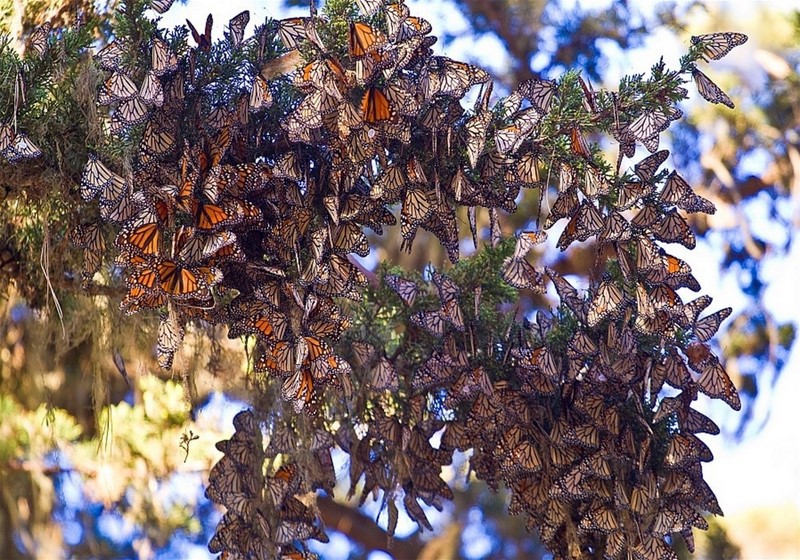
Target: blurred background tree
[(123, 459)]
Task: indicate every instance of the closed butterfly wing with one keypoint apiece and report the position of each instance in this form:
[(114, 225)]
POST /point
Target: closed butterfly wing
[(161, 6), (260, 95), (717, 45), (118, 87), (406, 289), (647, 168), (38, 39), (364, 39), (170, 336), (709, 90), (152, 92), (162, 60), (21, 148), (375, 106), (607, 302), (707, 327), (236, 27), (519, 273), (540, 93)]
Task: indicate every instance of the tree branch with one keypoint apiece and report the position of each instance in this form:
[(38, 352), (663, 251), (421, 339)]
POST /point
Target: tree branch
[(363, 530)]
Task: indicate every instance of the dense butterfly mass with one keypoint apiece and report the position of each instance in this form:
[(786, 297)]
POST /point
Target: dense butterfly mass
[(248, 192)]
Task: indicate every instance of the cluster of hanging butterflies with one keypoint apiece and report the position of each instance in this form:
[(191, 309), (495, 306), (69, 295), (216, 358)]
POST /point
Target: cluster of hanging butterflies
[(15, 146), (594, 465), (264, 517), (715, 46), (242, 211)]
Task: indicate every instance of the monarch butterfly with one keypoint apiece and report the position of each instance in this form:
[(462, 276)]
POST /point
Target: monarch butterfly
[(180, 281), (290, 531), (236, 27), (298, 388), (567, 293), (211, 217), (383, 376), (375, 106), (130, 112), (568, 487), (601, 518), (161, 6), (578, 143), (678, 192), (569, 235), (662, 296), (278, 360), (706, 327), (673, 228), (21, 148), (152, 91), (38, 39), (615, 228), (651, 144), (156, 141), (685, 449), (475, 130), (6, 137), (521, 274), (194, 248), (260, 95), (162, 59), (406, 289), (203, 41), (693, 309), (717, 45), (540, 93), (369, 7), (396, 14), (607, 302), (589, 220), (285, 482), (447, 288), (109, 57), (348, 238), (89, 237), (695, 422), (363, 351), (646, 169), (632, 192), (565, 206), (123, 209), (143, 233), (674, 517), (292, 31), (96, 177), (170, 336), (364, 39), (118, 87), (647, 125), (141, 297), (223, 477), (646, 217), (447, 77), (709, 90), (526, 240), (431, 321), (417, 207), (307, 115)]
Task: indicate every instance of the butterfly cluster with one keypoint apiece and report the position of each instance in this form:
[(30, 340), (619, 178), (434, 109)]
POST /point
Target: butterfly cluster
[(264, 514), (715, 46), (259, 162)]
